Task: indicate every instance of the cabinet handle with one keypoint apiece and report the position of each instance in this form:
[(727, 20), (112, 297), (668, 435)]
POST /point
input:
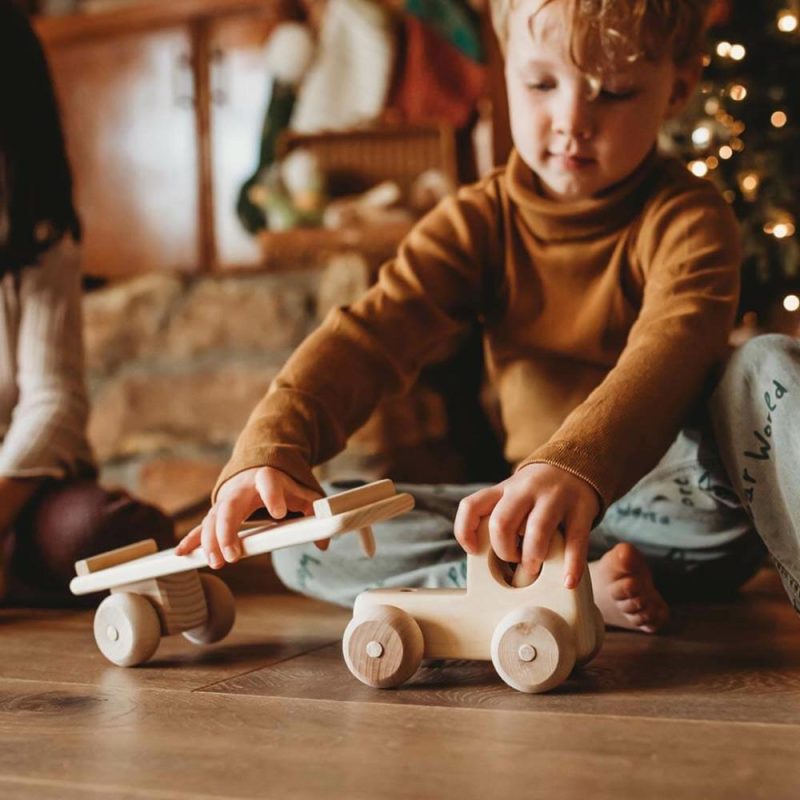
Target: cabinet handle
[(183, 82), (220, 77)]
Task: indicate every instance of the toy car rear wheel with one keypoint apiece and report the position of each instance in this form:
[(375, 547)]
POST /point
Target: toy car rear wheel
[(533, 649), (127, 629), (383, 646), (599, 636), (221, 612)]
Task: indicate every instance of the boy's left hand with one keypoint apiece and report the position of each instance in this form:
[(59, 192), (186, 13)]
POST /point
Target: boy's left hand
[(532, 505)]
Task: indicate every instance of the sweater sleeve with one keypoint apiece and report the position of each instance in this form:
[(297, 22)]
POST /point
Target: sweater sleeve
[(422, 301), (47, 433), (689, 251)]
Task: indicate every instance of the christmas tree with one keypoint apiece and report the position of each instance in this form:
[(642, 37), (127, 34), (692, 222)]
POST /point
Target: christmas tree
[(742, 131)]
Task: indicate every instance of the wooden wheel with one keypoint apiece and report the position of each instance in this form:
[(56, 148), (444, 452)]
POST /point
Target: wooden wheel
[(599, 635), (127, 629), (533, 649), (383, 647), (221, 612)]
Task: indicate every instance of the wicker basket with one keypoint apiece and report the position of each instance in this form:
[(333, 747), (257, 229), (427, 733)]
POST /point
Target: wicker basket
[(355, 160)]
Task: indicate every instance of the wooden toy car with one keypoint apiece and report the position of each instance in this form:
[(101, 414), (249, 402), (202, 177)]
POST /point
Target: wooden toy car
[(534, 635), (155, 594)]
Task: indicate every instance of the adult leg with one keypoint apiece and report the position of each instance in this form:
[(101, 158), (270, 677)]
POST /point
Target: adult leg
[(755, 409), (67, 521)]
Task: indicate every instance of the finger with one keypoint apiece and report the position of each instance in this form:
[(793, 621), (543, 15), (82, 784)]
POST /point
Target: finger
[(209, 540), (306, 493), (576, 548), (230, 516), (540, 526), (323, 544), (301, 502), (505, 524), (471, 510), (271, 492), (189, 542)]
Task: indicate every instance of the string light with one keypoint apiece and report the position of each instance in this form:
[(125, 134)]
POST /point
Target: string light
[(725, 152), (712, 162), (738, 52), (724, 48), (737, 92), (781, 230), (698, 168), (701, 136), (791, 302), (778, 119), (748, 184), (781, 226), (787, 21)]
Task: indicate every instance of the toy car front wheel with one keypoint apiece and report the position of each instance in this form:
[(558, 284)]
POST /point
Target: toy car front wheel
[(533, 649), (383, 646), (221, 612), (127, 629)]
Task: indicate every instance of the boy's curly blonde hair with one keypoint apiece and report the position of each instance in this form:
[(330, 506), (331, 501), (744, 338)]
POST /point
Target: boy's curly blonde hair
[(606, 33)]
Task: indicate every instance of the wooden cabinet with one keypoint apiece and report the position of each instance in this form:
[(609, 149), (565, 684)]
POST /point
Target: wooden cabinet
[(239, 92), (129, 119), (162, 106)]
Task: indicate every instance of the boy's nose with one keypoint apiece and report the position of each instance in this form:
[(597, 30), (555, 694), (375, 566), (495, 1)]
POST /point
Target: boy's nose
[(575, 120), (575, 127)]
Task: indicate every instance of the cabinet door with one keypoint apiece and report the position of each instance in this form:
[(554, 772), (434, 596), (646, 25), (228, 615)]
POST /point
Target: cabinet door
[(239, 91), (129, 118)]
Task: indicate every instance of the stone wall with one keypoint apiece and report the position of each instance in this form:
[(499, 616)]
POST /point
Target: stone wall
[(175, 365)]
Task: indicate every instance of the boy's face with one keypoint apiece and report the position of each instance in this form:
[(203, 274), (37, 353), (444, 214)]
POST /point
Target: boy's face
[(577, 141)]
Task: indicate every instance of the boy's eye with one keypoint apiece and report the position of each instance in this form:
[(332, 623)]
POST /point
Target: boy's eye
[(619, 94), (540, 86)]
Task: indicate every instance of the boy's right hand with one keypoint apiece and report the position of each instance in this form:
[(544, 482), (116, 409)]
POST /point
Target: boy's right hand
[(237, 499)]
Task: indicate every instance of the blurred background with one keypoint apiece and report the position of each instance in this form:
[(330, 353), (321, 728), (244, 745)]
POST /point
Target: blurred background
[(242, 166)]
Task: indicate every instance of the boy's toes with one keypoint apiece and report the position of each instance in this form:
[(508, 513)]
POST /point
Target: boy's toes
[(625, 592), (631, 605), (650, 617)]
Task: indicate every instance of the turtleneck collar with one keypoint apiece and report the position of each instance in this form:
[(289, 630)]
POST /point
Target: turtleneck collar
[(550, 220)]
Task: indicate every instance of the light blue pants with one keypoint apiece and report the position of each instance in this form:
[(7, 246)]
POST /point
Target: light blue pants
[(694, 525), (756, 415)]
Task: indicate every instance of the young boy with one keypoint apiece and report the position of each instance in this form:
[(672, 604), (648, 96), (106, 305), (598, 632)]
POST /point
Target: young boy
[(606, 279)]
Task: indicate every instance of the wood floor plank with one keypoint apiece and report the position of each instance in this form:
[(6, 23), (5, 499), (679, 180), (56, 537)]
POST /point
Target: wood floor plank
[(219, 745), (738, 662), (59, 645), (16, 788)]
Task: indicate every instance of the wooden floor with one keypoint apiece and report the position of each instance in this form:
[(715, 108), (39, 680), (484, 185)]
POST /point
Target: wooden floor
[(711, 710)]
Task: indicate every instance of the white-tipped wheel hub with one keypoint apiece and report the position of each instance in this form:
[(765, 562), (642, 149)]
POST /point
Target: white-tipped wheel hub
[(127, 629), (533, 649), (383, 646)]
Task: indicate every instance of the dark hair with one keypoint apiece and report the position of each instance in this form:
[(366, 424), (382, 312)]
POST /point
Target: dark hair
[(36, 192)]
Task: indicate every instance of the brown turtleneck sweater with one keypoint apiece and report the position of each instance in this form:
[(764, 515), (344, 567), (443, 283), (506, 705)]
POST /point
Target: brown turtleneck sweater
[(602, 320)]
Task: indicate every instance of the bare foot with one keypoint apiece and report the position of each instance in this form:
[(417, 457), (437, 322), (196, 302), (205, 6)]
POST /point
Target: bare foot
[(624, 591)]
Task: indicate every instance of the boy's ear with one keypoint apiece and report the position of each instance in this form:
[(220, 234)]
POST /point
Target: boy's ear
[(683, 86)]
